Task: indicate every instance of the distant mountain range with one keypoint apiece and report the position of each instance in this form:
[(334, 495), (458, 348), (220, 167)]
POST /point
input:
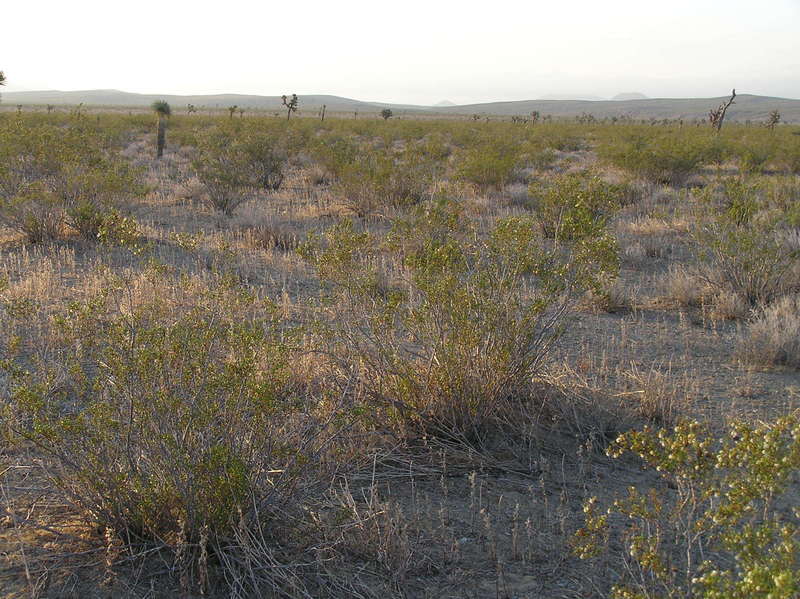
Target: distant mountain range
[(632, 105), (630, 96)]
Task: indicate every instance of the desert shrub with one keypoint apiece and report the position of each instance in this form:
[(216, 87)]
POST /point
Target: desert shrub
[(740, 200), (33, 211), (754, 261), (717, 525), (575, 206), (445, 342), (120, 230), (752, 154), (787, 155), (543, 159), (175, 417), (371, 180), (667, 158), (50, 176), (91, 195), (487, 162), (234, 165), (772, 337)]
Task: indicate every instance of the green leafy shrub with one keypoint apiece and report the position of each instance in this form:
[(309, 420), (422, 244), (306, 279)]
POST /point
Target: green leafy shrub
[(451, 347), (754, 262), (753, 155), (667, 158), (175, 417), (787, 156), (51, 176), (233, 166), (722, 524), (487, 162), (576, 206), (370, 180)]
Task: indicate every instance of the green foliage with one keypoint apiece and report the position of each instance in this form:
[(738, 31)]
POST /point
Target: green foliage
[(449, 347), (666, 158), (576, 206), (751, 260), (488, 161), (371, 180), (723, 524), (233, 165), (752, 152), (51, 176), (172, 416), (161, 108), (386, 114), (787, 156)]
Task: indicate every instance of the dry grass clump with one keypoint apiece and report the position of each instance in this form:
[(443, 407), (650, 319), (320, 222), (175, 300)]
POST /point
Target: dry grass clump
[(685, 287), (269, 236), (611, 297), (654, 396), (772, 338)]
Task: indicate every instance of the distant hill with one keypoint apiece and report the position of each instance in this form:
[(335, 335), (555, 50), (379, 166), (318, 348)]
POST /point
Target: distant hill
[(587, 97), (444, 103), (113, 97), (630, 96), (747, 107)]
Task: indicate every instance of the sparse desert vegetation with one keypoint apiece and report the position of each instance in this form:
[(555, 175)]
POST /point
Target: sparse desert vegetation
[(306, 357)]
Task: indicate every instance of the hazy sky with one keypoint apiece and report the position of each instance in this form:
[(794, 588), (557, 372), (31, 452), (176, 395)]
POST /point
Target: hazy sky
[(413, 51)]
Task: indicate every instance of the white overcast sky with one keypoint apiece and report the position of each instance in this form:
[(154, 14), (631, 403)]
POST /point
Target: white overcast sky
[(410, 52)]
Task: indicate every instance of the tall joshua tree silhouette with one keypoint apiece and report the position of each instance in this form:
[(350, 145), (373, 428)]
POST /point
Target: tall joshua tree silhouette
[(291, 105), (2, 82), (162, 109), (717, 115)]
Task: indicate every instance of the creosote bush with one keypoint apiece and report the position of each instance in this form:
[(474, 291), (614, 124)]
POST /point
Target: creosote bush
[(488, 161), (665, 158), (234, 166), (751, 261), (179, 417), (372, 180), (55, 176), (575, 206), (723, 525), (441, 329)]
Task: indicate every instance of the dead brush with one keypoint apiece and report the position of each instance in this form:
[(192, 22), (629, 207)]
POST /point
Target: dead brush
[(772, 338), (655, 397), (271, 236), (684, 287), (612, 297)]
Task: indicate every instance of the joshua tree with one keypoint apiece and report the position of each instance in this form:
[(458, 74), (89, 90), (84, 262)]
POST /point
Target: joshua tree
[(773, 119), (50, 108), (322, 113), (161, 108), (2, 81), (291, 105), (535, 116), (190, 109), (232, 110), (717, 115), (386, 113), (19, 108), (241, 112)]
